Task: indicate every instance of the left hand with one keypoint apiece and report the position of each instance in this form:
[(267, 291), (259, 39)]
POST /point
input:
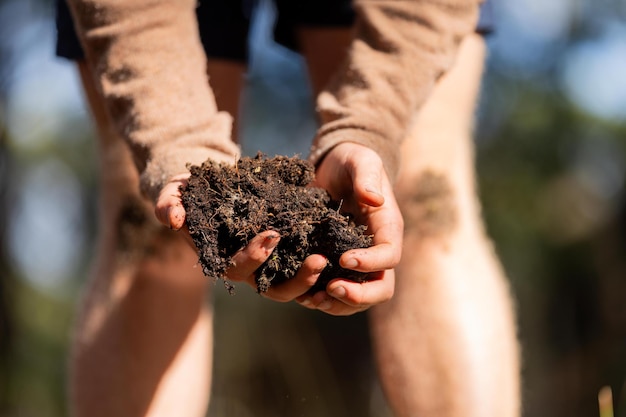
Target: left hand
[(170, 212), (355, 174)]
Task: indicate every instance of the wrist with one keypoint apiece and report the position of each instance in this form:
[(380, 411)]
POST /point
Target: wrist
[(327, 141)]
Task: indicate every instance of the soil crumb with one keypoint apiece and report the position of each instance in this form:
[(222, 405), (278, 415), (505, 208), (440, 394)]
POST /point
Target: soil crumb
[(227, 205)]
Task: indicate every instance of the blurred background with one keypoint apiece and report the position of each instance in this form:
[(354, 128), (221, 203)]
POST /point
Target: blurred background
[(551, 157)]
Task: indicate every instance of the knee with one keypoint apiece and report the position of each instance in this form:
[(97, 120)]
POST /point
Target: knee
[(141, 240), (136, 231), (429, 205)]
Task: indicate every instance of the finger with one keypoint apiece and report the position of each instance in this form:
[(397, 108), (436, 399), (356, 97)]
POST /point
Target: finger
[(387, 226), (367, 181), (306, 300), (251, 257), (304, 279), (378, 289), (329, 305), (343, 297), (168, 208), (176, 216), (376, 258)]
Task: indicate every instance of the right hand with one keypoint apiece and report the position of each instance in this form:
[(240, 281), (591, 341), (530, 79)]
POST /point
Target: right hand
[(355, 175), (170, 212)]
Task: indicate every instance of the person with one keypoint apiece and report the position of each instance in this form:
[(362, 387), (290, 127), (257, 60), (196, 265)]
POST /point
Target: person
[(396, 85)]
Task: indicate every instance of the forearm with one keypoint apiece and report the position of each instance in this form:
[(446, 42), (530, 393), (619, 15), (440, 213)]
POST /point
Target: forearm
[(150, 68), (400, 50)]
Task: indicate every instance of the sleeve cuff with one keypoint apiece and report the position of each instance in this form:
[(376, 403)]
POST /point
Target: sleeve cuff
[(389, 154), (167, 163)]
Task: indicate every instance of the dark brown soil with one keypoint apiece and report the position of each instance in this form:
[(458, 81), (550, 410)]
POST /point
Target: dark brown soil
[(228, 205)]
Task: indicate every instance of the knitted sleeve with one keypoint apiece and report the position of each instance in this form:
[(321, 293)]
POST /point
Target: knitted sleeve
[(149, 65), (400, 50)]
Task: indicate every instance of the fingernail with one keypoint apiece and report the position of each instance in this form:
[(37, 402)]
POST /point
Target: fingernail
[(270, 242), (325, 305), (351, 263), (319, 271), (306, 302), (178, 212), (338, 292)]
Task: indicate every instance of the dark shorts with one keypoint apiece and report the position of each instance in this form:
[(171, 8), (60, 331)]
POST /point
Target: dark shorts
[(224, 24)]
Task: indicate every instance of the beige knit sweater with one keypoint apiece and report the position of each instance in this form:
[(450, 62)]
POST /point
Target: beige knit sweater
[(149, 64)]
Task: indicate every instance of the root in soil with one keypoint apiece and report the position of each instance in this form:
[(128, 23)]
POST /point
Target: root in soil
[(228, 205)]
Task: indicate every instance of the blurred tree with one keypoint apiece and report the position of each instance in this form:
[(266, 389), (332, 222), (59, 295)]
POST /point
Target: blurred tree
[(551, 178), (33, 325), (6, 314)]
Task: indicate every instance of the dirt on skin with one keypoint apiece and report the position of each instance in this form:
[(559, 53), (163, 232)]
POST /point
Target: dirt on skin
[(227, 205)]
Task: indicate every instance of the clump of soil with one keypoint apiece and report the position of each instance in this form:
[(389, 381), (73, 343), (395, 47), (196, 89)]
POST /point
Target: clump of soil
[(228, 205)]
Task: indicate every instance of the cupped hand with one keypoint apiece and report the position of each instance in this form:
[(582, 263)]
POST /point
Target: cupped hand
[(170, 212), (355, 175)]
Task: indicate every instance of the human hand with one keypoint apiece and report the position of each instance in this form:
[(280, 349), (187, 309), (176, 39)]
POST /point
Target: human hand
[(355, 175), (170, 212)]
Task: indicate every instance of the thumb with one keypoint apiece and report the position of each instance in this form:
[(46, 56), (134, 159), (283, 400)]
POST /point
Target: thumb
[(169, 209), (367, 181)]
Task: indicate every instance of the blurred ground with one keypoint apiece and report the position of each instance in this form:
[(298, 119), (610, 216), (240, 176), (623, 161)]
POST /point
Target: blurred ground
[(551, 154)]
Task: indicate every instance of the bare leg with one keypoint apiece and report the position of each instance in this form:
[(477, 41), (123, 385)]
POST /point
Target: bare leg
[(143, 339), (446, 343)]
